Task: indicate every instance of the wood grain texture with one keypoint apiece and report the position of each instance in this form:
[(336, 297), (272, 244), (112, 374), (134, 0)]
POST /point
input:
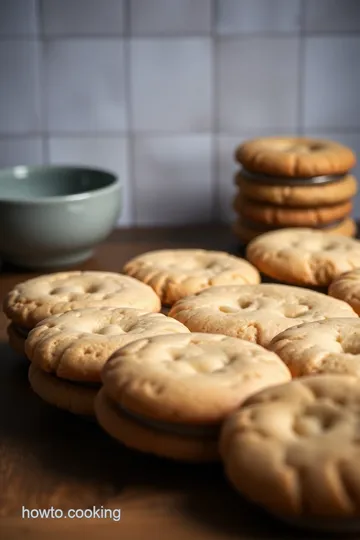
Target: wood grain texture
[(51, 458)]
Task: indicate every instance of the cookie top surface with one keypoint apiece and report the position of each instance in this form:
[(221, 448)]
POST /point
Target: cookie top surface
[(189, 378), (255, 312), (174, 274), (75, 345), (33, 300), (294, 448), (303, 256), (295, 156), (328, 346), (347, 288)]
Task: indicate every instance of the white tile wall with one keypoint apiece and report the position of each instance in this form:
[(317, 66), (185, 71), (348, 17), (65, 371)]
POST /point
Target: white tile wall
[(19, 87), (173, 179), (258, 82), (161, 91), (176, 96), (257, 16), (170, 17), (21, 151), (85, 82), (109, 153), (82, 17), (332, 82), (18, 18)]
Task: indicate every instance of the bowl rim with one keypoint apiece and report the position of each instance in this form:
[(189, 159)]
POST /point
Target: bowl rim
[(53, 199)]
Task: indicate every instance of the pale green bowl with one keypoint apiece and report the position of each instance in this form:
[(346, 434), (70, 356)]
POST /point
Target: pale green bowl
[(54, 216)]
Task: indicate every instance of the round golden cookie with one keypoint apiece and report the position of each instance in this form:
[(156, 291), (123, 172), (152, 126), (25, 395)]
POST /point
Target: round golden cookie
[(32, 301), (329, 346), (70, 396), (75, 345), (290, 217), (295, 156), (168, 395), (247, 231), (255, 313), (294, 449), (176, 273), (347, 287), (16, 340), (300, 196), (303, 256)]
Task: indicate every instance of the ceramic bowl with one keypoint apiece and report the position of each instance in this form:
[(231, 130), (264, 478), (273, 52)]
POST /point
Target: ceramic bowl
[(54, 217)]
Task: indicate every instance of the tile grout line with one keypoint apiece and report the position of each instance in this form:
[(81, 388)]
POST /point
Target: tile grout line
[(301, 71), (42, 87), (214, 120)]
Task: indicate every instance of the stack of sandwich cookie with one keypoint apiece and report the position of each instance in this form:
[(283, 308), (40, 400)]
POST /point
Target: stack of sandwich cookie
[(174, 274), (30, 302), (294, 182), (294, 450), (256, 313), (168, 395), (304, 257), (68, 351)]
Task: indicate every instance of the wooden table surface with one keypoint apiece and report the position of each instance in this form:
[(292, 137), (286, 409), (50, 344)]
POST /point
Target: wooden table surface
[(50, 458)]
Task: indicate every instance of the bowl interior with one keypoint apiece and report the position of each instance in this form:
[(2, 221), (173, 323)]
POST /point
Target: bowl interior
[(27, 183)]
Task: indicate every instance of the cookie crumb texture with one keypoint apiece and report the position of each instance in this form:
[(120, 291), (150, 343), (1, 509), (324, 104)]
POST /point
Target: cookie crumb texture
[(32, 301), (294, 448), (174, 274), (255, 313), (303, 256), (329, 346), (347, 287)]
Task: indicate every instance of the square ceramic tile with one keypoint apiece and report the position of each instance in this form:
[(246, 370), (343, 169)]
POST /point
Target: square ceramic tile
[(226, 168), (21, 151), (82, 17), (171, 85), (170, 17), (18, 18), (353, 141), (85, 85), (19, 87), (257, 80), (257, 16), (332, 15), (332, 82), (110, 153), (173, 179)]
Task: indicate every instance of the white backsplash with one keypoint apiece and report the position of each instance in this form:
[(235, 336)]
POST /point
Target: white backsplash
[(161, 91)]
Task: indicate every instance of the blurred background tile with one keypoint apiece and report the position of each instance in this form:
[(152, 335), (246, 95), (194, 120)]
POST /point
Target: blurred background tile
[(257, 16), (18, 18), (176, 96), (257, 82), (332, 15), (21, 151), (226, 167), (82, 17), (19, 87), (109, 153), (173, 179), (332, 82), (170, 17), (85, 85)]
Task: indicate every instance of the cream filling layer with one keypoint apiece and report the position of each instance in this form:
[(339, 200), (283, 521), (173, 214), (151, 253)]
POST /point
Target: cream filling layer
[(262, 178), (186, 430)]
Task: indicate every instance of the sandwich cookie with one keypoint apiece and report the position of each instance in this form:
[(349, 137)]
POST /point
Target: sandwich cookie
[(329, 346), (247, 230), (347, 288), (294, 450), (255, 313), (168, 395), (68, 351), (174, 274), (295, 157), (32, 301), (302, 256)]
